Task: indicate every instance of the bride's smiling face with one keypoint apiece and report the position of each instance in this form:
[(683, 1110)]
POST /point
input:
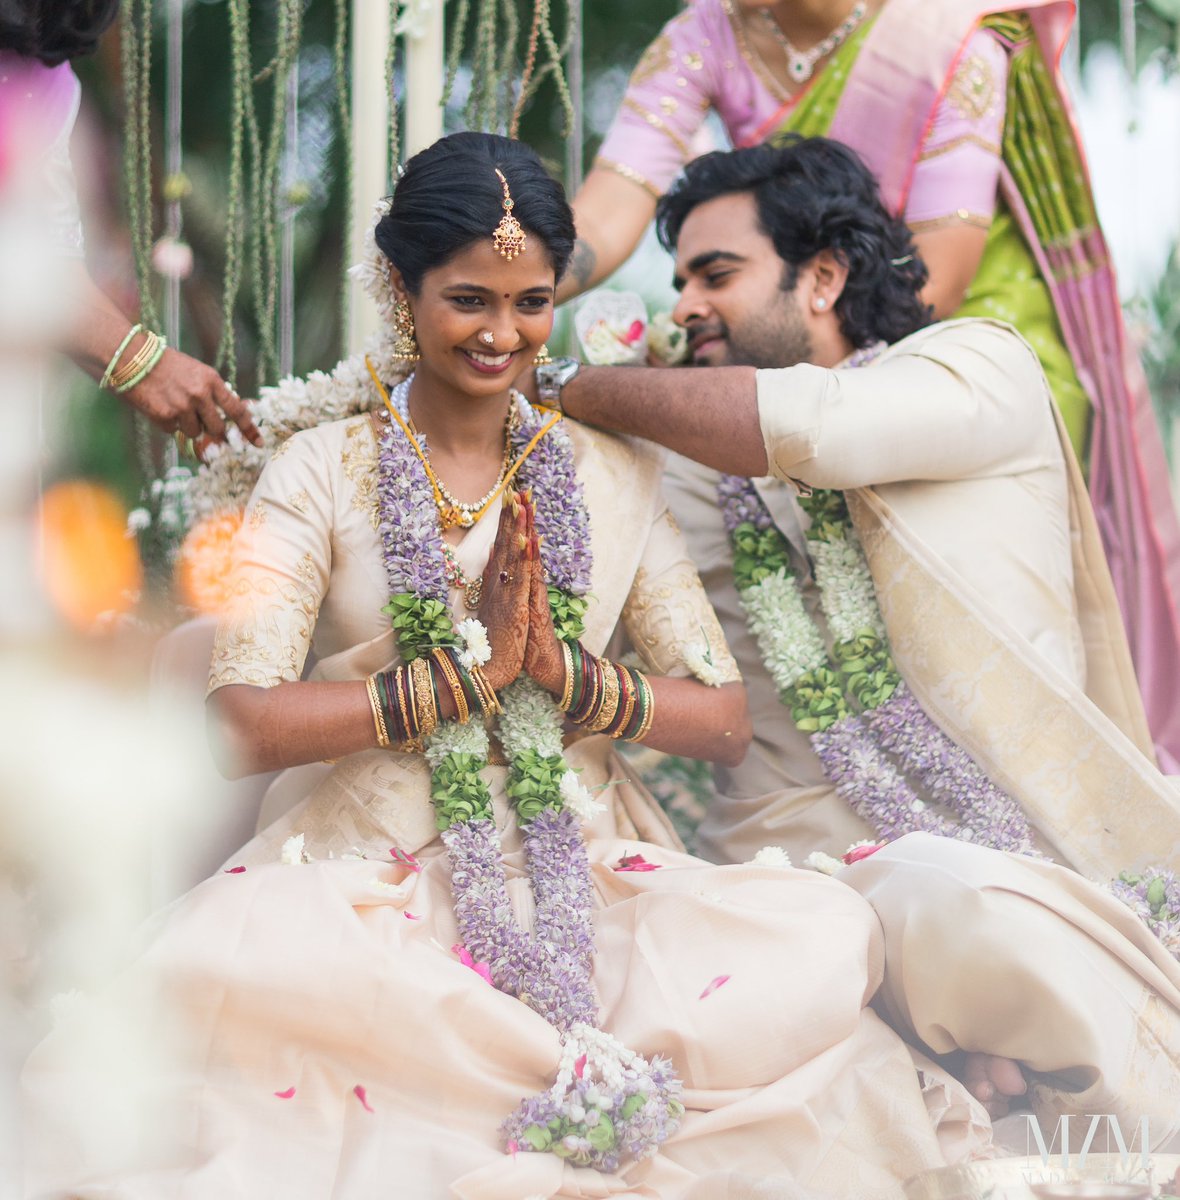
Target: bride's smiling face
[(478, 291)]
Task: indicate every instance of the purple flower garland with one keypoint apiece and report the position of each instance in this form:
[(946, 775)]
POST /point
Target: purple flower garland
[(551, 969)]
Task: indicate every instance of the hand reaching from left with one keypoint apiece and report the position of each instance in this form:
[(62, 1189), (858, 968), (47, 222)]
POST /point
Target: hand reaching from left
[(543, 659)]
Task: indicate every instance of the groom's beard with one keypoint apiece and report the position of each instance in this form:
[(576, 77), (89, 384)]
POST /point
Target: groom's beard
[(774, 338)]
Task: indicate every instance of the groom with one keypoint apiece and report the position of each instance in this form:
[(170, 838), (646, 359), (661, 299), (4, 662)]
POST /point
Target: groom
[(800, 295), (993, 586)]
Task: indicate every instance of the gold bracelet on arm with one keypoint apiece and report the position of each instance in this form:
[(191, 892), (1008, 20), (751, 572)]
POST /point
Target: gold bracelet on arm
[(454, 684), (378, 715), (567, 691), (609, 704), (423, 694)]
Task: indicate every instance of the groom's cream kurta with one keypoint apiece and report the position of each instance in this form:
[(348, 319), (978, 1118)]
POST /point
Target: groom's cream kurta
[(990, 574)]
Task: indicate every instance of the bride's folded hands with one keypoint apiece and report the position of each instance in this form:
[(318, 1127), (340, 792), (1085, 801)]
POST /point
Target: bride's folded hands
[(504, 597)]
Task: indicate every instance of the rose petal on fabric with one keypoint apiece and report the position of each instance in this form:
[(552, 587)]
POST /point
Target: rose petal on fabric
[(287, 1094), (360, 1093), (714, 985), (233, 870), (634, 333), (409, 916), (580, 1065), (464, 956), (635, 862), (856, 853), (407, 860)]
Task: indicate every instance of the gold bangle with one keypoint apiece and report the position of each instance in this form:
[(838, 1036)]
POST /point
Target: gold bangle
[(628, 703), (649, 714), (151, 342), (488, 700), (378, 715), (451, 677), (610, 698), (401, 691), (567, 691), (595, 684), (424, 697)]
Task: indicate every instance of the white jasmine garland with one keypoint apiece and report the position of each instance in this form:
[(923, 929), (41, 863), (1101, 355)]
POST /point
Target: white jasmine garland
[(771, 856), (787, 636), (578, 798), (531, 720), (477, 650), (849, 598), (452, 738)]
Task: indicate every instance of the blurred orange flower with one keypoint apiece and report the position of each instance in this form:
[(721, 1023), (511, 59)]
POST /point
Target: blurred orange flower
[(90, 566), (204, 563)]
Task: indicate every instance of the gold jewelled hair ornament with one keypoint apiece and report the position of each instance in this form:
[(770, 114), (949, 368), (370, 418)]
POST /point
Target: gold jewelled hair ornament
[(508, 238)]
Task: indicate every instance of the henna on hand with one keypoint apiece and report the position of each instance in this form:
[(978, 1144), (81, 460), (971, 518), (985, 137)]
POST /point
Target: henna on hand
[(543, 659), (504, 604)]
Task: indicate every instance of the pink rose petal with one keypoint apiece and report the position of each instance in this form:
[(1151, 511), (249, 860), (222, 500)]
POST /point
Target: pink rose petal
[(635, 862), (409, 916), (360, 1094), (634, 333), (859, 852), (580, 1065), (287, 1094), (512, 1147), (407, 860), (233, 870), (718, 982), (464, 956)]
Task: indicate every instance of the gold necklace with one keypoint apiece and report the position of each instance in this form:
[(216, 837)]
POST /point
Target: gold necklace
[(453, 511), (445, 511)]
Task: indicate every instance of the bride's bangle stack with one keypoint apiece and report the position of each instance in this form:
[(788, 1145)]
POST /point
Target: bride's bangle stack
[(606, 697), (405, 701)]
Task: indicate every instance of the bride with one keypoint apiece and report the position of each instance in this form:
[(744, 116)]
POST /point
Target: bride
[(472, 959)]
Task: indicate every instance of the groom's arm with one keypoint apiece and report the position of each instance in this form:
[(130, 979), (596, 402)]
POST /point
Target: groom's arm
[(709, 414)]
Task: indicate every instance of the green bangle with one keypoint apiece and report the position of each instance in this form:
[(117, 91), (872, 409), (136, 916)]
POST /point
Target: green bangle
[(113, 364), (148, 368)]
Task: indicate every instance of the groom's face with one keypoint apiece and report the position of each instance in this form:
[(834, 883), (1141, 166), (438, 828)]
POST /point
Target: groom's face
[(732, 300)]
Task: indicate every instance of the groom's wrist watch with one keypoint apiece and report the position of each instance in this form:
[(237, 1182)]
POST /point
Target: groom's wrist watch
[(552, 377)]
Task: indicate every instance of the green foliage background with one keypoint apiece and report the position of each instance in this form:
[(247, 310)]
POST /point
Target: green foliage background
[(615, 33)]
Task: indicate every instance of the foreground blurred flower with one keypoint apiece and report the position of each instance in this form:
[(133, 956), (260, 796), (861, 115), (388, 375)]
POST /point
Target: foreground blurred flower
[(90, 568)]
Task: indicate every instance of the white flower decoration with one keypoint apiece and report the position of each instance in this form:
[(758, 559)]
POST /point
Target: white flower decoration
[(771, 856), (667, 341), (477, 650), (787, 636), (825, 864), (698, 658), (293, 854), (579, 799)]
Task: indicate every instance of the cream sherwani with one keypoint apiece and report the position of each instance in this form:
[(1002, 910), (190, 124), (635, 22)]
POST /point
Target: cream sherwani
[(991, 578), (1002, 618)]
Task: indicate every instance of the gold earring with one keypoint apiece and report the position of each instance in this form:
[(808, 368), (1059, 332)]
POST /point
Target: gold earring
[(405, 349), (544, 358)]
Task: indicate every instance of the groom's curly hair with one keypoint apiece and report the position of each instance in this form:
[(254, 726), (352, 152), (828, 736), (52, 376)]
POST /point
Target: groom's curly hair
[(815, 194)]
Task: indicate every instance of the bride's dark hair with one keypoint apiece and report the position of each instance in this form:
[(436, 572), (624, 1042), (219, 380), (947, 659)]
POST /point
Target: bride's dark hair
[(54, 32), (449, 196)]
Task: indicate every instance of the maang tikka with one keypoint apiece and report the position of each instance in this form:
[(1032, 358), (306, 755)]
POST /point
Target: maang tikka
[(508, 238)]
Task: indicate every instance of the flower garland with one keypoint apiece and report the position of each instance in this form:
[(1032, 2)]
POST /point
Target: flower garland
[(869, 731), (608, 1104)]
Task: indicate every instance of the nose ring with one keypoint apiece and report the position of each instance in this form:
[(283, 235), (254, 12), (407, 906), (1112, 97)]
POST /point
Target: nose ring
[(487, 337)]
